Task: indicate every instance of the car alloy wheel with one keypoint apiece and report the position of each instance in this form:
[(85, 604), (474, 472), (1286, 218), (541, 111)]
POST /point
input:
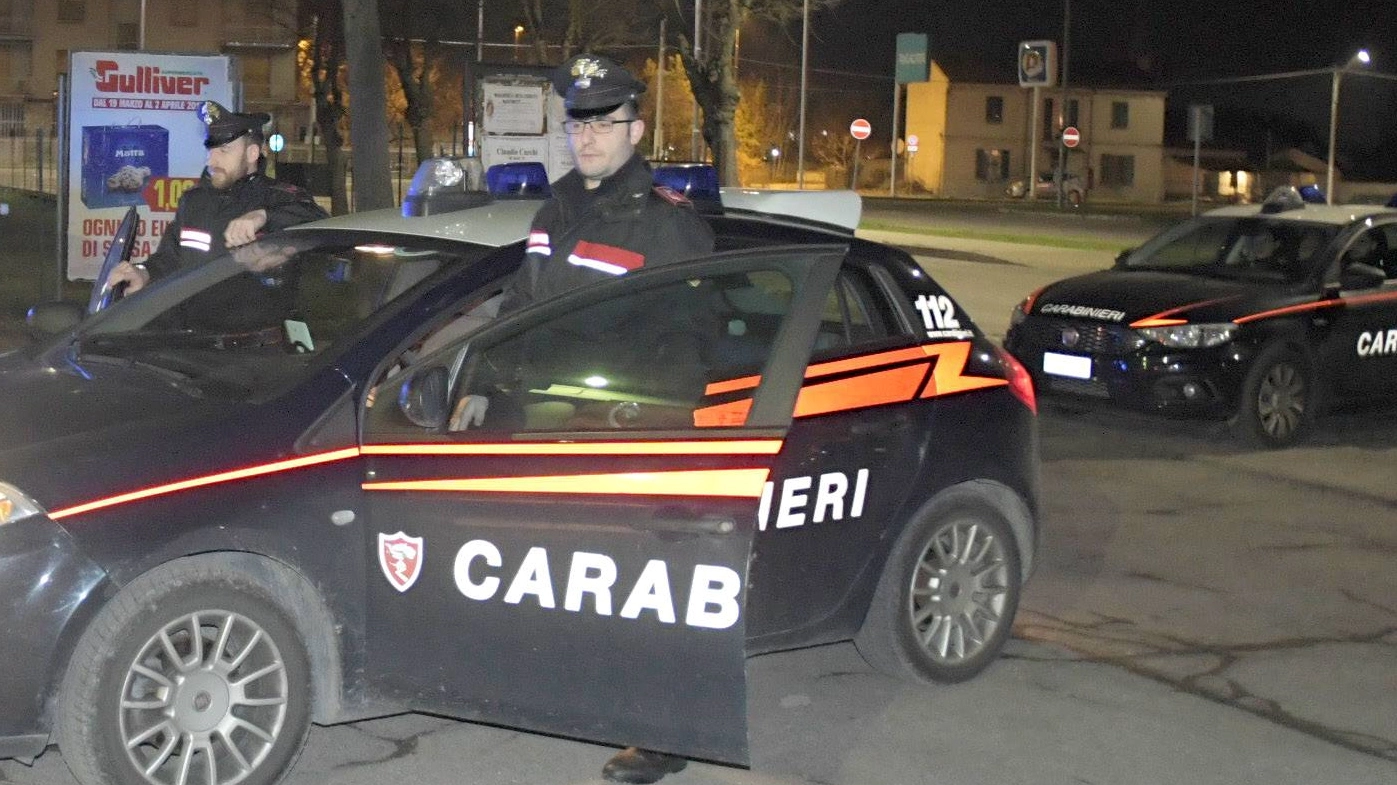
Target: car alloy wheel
[(958, 593), (947, 598), (190, 676)]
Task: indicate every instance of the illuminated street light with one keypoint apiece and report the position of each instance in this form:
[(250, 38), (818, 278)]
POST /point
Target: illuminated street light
[(518, 33), (1359, 58)]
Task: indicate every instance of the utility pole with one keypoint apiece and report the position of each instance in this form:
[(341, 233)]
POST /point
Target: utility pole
[(695, 149), (1061, 176), (657, 138)]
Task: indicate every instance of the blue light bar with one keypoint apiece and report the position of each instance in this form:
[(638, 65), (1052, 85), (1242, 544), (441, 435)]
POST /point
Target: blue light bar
[(520, 179), (699, 182)]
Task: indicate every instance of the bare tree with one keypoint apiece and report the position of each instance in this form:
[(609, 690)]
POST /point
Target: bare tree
[(321, 60), (558, 29), (713, 77)]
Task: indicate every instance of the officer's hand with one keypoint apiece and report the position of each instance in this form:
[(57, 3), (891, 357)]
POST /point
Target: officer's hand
[(243, 229), (470, 410), (126, 273)]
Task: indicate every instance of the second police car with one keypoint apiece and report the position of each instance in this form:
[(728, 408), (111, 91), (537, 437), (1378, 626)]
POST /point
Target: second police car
[(214, 534), (1263, 315)]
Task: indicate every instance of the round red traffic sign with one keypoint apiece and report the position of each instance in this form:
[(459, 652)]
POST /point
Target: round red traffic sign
[(860, 129), (1071, 137)]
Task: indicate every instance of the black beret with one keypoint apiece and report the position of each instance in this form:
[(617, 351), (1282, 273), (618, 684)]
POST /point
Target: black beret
[(225, 126), (590, 82)]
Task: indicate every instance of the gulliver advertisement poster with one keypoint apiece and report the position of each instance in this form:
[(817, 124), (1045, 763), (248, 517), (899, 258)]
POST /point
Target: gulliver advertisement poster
[(135, 139)]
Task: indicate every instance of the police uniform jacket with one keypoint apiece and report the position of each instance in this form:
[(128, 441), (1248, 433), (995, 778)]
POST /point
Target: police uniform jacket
[(196, 233), (582, 236)]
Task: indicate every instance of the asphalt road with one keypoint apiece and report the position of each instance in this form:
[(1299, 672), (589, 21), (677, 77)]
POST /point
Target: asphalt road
[(1202, 614)]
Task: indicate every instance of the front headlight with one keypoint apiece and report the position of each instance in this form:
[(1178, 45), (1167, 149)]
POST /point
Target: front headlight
[(1190, 336), (15, 505)]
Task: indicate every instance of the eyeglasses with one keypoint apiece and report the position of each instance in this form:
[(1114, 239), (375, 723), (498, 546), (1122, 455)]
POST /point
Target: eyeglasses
[(600, 125)]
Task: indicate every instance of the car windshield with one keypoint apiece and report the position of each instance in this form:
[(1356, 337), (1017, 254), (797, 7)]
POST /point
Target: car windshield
[(1250, 247), (244, 324)]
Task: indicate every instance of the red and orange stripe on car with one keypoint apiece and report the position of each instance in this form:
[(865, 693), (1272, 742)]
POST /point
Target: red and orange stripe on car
[(896, 376), (741, 482)]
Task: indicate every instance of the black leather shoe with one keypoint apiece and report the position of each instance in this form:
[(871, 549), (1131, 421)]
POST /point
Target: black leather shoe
[(638, 766)]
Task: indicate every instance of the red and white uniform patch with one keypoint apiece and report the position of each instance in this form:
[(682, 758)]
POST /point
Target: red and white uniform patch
[(605, 258), (539, 243), (194, 238)]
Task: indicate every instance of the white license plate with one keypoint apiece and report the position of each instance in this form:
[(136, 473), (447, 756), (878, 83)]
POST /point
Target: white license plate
[(1070, 365)]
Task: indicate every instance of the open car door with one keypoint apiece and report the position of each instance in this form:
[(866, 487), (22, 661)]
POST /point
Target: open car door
[(575, 561)]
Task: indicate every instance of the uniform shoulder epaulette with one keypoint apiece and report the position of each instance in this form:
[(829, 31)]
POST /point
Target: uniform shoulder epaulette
[(672, 196)]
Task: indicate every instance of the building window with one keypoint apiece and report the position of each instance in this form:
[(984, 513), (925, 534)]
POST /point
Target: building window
[(74, 11), (992, 166), (1120, 114), (184, 14), (994, 109), (1072, 113), (256, 77), (11, 117), (1118, 170), (128, 36)]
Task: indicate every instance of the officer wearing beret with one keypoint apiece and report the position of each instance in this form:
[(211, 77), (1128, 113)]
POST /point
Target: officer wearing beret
[(606, 216), (233, 204)]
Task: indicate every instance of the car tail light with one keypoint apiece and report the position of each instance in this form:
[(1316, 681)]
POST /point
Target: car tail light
[(1020, 382)]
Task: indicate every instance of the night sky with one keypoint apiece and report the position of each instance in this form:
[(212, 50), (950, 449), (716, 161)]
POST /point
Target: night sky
[(1154, 44)]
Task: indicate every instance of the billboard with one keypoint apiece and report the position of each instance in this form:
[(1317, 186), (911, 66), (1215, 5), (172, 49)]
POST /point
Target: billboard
[(134, 139), (521, 119)]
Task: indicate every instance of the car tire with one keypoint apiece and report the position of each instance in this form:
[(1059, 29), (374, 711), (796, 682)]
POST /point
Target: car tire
[(946, 600), (1278, 399), (191, 665)]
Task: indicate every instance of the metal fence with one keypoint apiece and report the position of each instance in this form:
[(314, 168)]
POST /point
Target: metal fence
[(29, 160)]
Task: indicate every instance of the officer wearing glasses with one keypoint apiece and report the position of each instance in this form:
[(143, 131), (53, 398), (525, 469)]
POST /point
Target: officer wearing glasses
[(606, 217)]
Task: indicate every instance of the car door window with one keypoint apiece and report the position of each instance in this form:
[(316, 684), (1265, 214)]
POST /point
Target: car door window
[(641, 360), (854, 316), (1376, 247)]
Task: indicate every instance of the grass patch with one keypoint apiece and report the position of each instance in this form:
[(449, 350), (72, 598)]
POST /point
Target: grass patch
[(1050, 240)]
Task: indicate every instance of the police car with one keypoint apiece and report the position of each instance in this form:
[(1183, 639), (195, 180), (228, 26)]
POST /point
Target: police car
[(214, 534), (1262, 315)]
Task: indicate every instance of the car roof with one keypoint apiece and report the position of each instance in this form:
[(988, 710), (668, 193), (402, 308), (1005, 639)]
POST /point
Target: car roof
[(499, 222), (495, 224), (1336, 215)]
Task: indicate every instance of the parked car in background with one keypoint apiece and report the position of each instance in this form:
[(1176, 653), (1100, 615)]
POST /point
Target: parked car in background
[(1074, 188), (1262, 315)]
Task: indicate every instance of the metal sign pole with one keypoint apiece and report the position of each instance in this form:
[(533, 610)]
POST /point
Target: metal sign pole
[(54, 287), (892, 165), (1032, 192)]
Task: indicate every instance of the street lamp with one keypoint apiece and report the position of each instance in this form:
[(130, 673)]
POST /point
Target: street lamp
[(518, 31), (1359, 58)]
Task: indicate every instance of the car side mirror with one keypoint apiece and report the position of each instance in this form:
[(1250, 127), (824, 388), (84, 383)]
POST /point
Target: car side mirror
[(1122, 256), (422, 398), (46, 320), (1361, 276)]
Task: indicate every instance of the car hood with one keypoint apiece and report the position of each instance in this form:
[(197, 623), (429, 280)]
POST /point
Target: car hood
[(66, 430), (1126, 297)]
